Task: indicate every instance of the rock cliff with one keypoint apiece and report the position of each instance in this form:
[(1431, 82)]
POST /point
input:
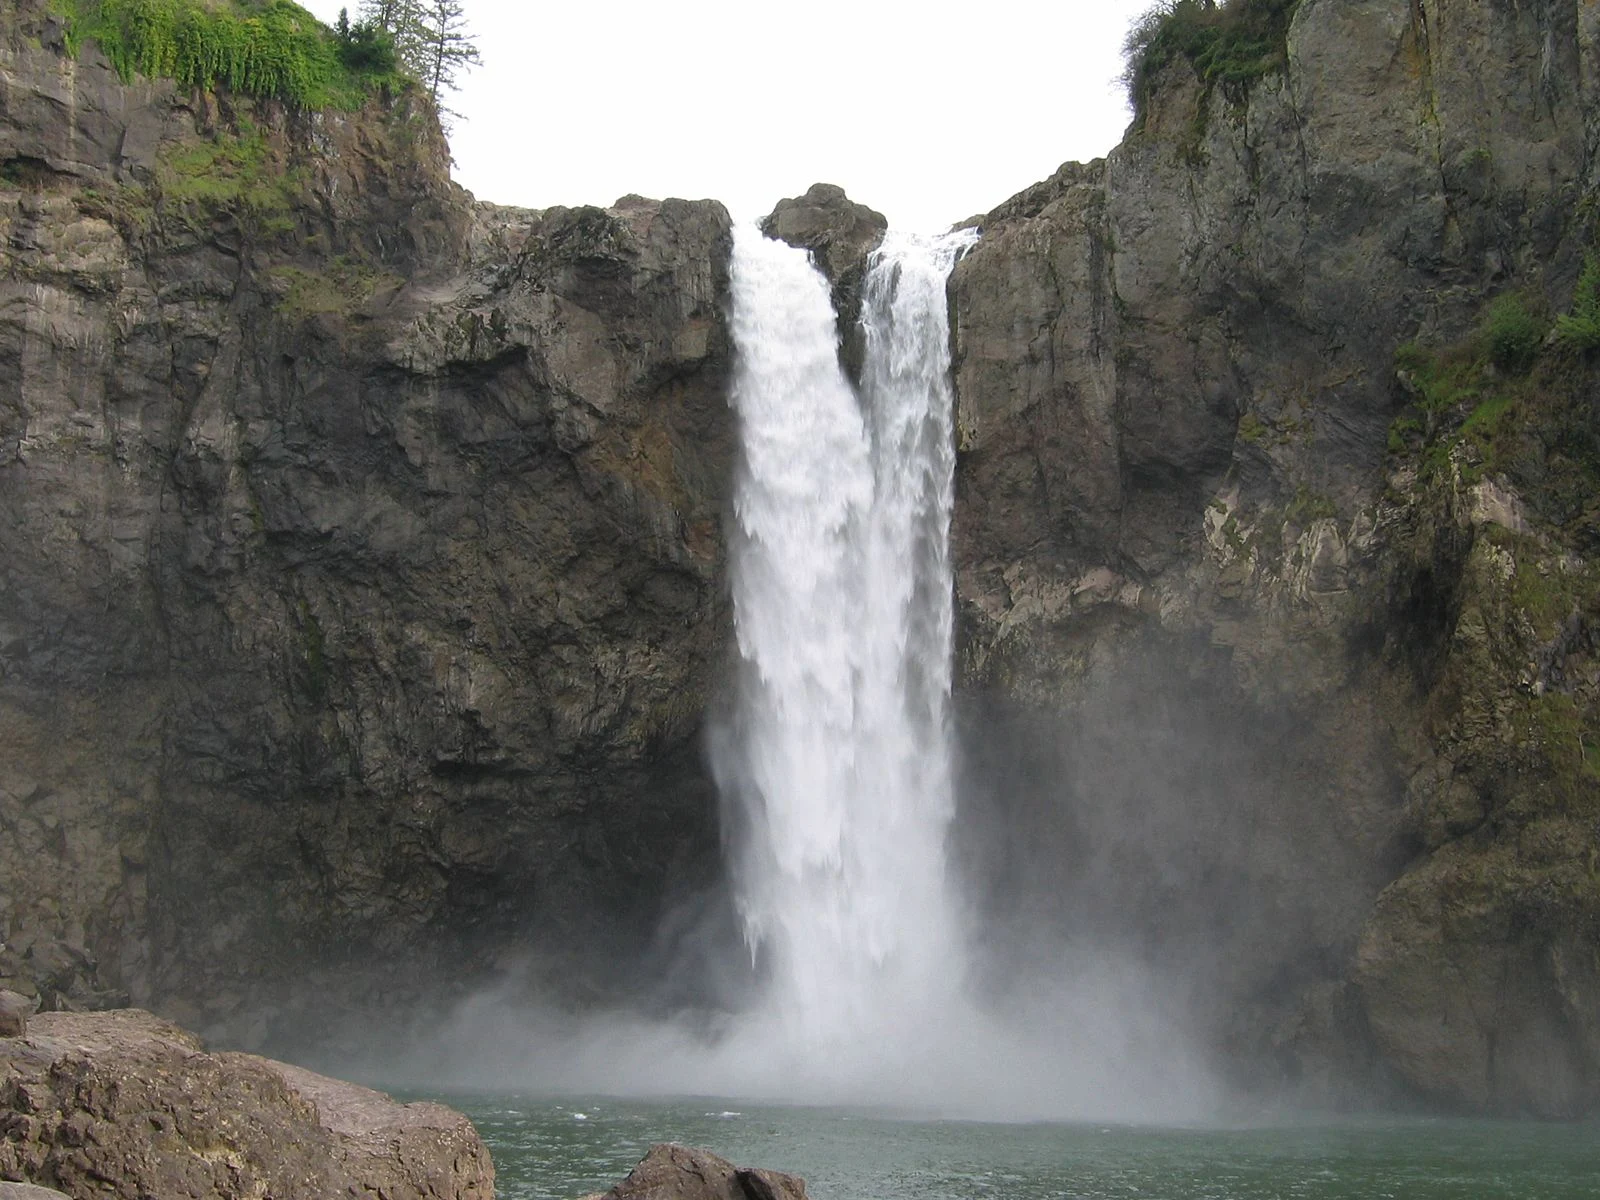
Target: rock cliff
[(1275, 562), (360, 556)]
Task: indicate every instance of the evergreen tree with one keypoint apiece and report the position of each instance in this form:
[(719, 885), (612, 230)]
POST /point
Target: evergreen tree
[(365, 47), (447, 47), (402, 21), (389, 15), (430, 40)]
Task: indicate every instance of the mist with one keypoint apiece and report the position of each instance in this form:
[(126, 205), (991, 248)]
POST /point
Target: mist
[(1090, 1043), (1142, 941)]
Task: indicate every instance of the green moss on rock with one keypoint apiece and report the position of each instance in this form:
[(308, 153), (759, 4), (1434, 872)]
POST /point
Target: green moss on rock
[(228, 170), (339, 289)]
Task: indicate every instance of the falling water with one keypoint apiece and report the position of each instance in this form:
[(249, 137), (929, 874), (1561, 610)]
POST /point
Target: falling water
[(837, 765)]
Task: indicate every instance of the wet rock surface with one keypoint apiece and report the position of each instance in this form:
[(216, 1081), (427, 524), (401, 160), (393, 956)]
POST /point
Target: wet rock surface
[(841, 236), (122, 1104)]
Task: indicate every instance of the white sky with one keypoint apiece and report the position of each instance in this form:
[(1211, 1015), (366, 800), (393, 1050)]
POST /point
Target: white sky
[(929, 112)]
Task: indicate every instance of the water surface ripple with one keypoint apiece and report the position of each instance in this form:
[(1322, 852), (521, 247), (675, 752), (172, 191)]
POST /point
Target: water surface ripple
[(557, 1150)]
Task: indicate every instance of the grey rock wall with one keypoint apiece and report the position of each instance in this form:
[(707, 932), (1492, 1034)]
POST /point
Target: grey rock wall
[(361, 567), (1220, 640)]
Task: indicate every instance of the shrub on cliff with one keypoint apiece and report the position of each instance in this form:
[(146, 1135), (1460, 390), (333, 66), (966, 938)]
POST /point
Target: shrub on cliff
[(1580, 329), (1512, 333), (264, 48), (365, 47), (1507, 400), (1234, 42)]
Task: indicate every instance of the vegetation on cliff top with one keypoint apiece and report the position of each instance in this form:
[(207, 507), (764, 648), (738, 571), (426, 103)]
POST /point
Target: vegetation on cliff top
[(262, 48), (1233, 42), (430, 39)]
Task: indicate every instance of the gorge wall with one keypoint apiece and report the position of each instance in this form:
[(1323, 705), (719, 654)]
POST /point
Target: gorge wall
[(1304, 645), (362, 576)]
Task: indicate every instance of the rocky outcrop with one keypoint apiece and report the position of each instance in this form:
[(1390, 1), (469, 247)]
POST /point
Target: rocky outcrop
[(27, 1191), (15, 1009), (841, 236), (361, 568), (1276, 622), (672, 1172), (361, 564), (121, 1104)]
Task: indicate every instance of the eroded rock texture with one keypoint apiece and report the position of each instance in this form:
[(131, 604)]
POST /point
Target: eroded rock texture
[(360, 557), (1278, 668), (121, 1104)]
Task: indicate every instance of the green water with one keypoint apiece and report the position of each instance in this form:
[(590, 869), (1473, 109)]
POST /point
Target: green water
[(557, 1150)]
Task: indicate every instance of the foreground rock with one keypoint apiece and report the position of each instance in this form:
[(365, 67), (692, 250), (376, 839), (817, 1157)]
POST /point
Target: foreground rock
[(123, 1104), (672, 1172)]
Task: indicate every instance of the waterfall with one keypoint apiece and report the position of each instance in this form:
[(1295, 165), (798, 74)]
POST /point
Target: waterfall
[(836, 765)]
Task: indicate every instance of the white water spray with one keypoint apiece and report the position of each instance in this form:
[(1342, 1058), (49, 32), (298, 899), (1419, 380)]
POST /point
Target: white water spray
[(839, 763)]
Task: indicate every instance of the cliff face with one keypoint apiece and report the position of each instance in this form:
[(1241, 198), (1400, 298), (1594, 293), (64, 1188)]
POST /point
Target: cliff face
[(360, 555), (1305, 639)]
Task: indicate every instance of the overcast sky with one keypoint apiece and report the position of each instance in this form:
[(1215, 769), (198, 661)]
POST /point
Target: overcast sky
[(929, 112)]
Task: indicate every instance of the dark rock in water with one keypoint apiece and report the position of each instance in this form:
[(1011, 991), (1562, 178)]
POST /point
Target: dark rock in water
[(841, 236), (123, 1104), (673, 1172), (15, 1009)]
